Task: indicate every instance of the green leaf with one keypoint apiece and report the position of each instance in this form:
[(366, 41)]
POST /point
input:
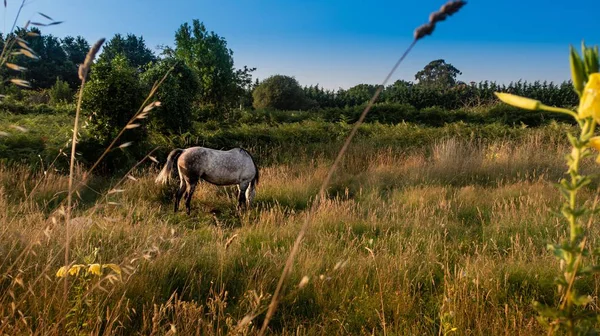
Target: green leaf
[(547, 311), (587, 270), (580, 300)]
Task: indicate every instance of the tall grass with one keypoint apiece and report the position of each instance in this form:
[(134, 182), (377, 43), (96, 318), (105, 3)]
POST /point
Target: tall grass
[(456, 246)]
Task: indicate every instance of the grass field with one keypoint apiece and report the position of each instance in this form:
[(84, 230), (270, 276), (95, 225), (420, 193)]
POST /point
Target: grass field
[(448, 237)]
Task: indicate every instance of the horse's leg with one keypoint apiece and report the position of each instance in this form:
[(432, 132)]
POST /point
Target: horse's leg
[(243, 186), (190, 192), (178, 194), (250, 192)]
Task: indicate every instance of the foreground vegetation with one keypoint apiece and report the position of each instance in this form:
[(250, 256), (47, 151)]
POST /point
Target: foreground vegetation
[(439, 236)]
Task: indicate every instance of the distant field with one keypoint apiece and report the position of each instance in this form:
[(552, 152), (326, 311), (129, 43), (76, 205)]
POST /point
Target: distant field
[(457, 218)]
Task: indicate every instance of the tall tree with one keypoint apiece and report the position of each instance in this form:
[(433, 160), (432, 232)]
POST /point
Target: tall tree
[(76, 48), (438, 74), (52, 61), (221, 85), (132, 47), (176, 94)]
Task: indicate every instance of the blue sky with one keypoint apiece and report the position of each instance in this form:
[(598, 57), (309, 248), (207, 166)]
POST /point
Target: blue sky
[(338, 43)]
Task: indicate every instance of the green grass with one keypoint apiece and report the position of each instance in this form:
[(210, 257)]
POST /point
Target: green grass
[(458, 226)]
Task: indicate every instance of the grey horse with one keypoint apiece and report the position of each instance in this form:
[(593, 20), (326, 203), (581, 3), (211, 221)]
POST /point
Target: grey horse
[(221, 168)]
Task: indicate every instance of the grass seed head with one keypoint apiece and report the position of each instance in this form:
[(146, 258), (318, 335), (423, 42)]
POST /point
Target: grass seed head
[(85, 67)]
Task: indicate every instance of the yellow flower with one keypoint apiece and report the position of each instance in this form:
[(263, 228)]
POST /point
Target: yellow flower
[(95, 269), (74, 270), (589, 106), (62, 272), (595, 142), (518, 101)]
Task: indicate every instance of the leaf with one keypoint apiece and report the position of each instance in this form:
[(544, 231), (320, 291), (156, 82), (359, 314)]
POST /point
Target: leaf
[(20, 82), (46, 16), (33, 34), (581, 300), (153, 159), (113, 191), (131, 178), (38, 24), (546, 311), (124, 145), (589, 270), (2, 133), (130, 126), (113, 267), (55, 23)]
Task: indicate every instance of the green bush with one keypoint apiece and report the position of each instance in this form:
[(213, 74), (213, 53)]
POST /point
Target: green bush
[(111, 97), (176, 94), (60, 93), (279, 92)]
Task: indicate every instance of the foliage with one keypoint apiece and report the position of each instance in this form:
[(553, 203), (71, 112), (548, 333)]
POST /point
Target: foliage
[(571, 315), (221, 85), (132, 47), (438, 74), (279, 92), (176, 95), (53, 57), (60, 92), (111, 97)]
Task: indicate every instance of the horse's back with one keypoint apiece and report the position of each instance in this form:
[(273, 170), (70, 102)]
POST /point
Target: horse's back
[(219, 167)]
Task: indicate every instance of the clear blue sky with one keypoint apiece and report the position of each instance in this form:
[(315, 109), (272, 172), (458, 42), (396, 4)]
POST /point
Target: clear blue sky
[(341, 43)]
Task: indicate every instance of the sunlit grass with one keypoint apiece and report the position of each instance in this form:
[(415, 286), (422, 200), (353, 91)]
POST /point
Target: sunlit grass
[(457, 246)]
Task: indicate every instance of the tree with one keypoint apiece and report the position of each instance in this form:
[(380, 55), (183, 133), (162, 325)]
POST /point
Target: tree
[(221, 85), (52, 62), (176, 95), (279, 92), (112, 96), (438, 74), (359, 94), (133, 47), (76, 48)]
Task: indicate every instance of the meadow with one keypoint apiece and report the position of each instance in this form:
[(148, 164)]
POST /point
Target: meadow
[(437, 220), (425, 230)]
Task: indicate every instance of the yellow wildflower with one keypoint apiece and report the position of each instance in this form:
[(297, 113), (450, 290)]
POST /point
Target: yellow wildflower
[(95, 269), (74, 270), (518, 101), (595, 142), (62, 272), (589, 105)]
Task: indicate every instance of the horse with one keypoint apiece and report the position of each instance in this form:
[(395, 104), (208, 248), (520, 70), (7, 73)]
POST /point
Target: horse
[(218, 167)]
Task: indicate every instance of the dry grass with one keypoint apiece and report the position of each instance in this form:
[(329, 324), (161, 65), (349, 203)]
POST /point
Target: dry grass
[(456, 246)]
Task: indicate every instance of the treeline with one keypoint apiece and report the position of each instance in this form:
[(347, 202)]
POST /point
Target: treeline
[(423, 96)]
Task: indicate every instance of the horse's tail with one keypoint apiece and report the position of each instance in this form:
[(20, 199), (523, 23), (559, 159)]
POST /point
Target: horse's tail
[(165, 173)]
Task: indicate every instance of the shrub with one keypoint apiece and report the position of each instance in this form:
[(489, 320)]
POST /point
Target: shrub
[(176, 94), (60, 93), (112, 96), (279, 92)]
